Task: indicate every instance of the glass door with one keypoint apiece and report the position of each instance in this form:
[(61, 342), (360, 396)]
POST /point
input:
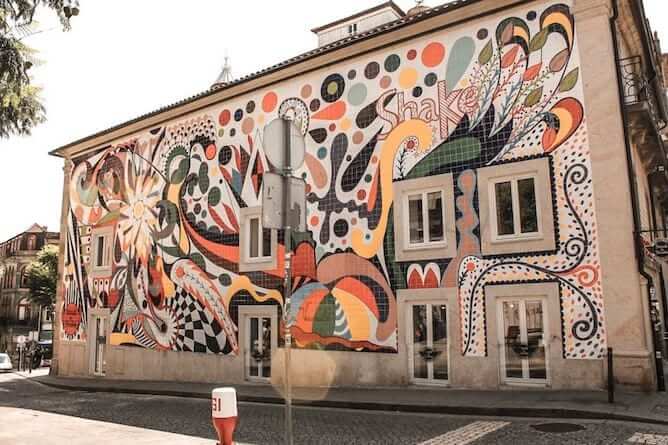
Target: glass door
[(428, 343), (258, 347), (523, 348)]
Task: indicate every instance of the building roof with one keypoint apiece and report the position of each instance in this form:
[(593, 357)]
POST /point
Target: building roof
[(389, 4), (406, 20), (35, 228)]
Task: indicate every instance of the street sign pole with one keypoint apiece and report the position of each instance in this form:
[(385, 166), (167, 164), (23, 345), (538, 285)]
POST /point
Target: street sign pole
[(284, 146), (287, 174)]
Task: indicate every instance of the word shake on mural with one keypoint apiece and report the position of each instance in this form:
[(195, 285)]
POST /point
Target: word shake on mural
[(156, 221)]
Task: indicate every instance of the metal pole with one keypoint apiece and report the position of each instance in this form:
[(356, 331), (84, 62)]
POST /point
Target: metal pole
[(611, 379), (287, 173)]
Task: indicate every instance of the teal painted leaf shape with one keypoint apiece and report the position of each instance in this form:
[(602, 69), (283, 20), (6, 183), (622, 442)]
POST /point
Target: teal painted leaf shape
[(459, 60)]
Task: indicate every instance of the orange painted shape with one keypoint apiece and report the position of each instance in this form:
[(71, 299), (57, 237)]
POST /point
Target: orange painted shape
[(210, 151), (333, 112), (230, 253), (355, 287), (371, 202), (269, 102), (414, 280), (433, 54), (430, 279)]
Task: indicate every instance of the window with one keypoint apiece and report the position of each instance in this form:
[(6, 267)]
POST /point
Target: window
[(516, 211), (424, 218), (352, 28), (24, 277), (514, 207), (24, 310), (259, 240), (257, 245), (32, 242), (102, 251)]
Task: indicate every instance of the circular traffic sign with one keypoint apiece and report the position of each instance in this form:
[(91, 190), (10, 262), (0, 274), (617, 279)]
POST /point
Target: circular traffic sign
[(276, 144)]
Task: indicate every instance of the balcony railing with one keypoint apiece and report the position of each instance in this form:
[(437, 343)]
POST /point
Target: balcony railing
[(637, 90)]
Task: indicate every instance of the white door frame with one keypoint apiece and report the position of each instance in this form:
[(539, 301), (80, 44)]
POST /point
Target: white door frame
[(93, 346), (245, 314), (522, 300), (430, 338)]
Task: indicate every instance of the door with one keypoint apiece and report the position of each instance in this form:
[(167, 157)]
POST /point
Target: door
[(258, 349), (522, 324), (428, 343), (98, 343)]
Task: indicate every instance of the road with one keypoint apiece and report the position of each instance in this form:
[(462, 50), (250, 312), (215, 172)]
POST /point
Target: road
[(263, 424)]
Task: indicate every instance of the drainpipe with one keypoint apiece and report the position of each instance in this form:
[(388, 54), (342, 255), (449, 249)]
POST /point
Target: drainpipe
[(639, 249), (662, 283)]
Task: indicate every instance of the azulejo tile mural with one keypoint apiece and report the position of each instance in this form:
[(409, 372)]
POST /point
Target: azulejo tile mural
[(169, 200)]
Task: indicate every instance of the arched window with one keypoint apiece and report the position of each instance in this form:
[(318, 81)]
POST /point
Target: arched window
[(23, 310), (24, 277), (10, 277)]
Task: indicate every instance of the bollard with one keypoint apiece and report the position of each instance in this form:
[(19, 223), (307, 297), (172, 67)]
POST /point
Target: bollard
[(224, 414), (611, 379)]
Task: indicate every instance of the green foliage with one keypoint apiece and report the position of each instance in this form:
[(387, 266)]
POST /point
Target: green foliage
[(20, 105), (42, 276)]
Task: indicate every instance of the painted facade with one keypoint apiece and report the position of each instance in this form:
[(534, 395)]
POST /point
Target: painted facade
[(502, 90)]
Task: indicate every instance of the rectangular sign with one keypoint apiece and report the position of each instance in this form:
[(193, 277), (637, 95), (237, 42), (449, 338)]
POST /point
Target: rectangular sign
[(273, 196)]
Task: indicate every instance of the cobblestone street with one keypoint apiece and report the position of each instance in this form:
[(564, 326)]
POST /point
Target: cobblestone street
[(263, 424)]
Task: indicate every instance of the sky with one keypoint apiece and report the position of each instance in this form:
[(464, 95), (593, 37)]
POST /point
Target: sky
[(124, 58)]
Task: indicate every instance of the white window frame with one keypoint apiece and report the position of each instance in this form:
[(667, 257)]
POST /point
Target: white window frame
[(105, 233), (545, 240), (246, 262), (259, 311), (517, 223), (352, 28), (23, 312), (424, 193), (404, 250), (260, 239)]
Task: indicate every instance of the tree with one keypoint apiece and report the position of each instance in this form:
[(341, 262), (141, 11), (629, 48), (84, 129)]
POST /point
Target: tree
[(20, 105), (42, 277)]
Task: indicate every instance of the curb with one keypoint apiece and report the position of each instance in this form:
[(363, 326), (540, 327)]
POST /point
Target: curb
[(562, 413)]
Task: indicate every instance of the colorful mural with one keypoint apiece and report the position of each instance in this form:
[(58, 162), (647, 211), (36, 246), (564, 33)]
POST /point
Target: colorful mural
[(452, 102)]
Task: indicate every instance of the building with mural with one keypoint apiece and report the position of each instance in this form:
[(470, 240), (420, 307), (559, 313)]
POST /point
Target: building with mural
[(19, 316), (485, 184)]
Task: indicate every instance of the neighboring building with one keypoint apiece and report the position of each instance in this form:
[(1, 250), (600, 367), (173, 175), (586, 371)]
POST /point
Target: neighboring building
[(486, 184), (358, 23), (18, 315)]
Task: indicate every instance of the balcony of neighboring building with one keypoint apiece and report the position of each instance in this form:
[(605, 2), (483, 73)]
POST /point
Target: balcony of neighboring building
[(645, 99)]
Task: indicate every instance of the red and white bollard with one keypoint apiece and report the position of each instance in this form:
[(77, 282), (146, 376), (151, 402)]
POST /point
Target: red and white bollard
[(224, 414)]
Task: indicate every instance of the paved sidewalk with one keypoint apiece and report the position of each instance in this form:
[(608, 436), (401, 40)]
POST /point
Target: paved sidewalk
[(36, 427), (628, 406)]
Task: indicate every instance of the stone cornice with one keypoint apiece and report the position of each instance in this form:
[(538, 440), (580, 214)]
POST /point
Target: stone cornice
[(585, 9)]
